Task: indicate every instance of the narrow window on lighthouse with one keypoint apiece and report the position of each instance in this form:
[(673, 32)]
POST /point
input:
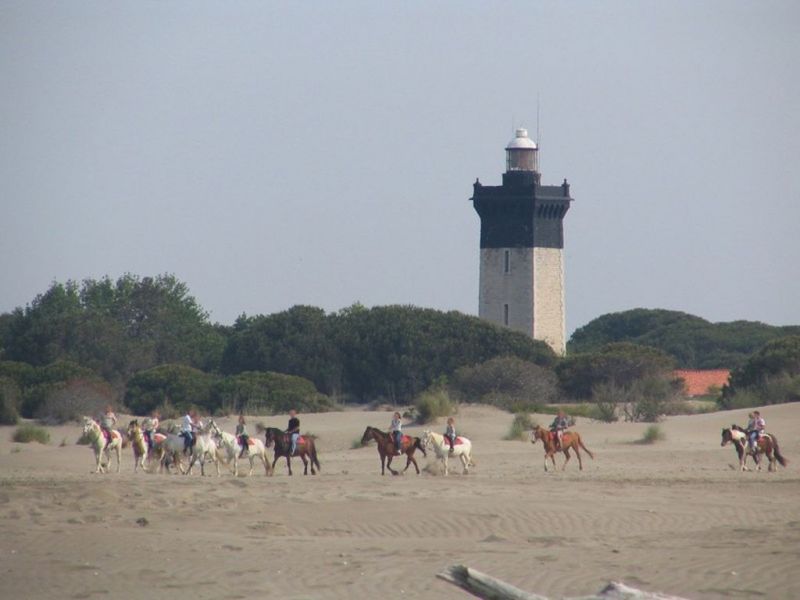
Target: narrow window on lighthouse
[(505, 315), (507, 261)]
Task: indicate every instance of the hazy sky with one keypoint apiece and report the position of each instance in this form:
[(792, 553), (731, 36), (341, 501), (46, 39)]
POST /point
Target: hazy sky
[(323, 153)]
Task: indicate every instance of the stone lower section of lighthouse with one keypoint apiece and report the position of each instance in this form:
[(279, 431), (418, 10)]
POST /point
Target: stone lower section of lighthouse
[(523, 289)]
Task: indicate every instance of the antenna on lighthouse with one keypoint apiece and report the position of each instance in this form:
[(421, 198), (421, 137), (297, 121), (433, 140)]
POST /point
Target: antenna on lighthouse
[(538, 135)]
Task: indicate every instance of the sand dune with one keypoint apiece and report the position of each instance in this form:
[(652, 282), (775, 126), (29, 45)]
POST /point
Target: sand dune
[(675, 517)]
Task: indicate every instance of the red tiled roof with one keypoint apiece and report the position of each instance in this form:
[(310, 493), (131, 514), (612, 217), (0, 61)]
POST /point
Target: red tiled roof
[(697, 383)]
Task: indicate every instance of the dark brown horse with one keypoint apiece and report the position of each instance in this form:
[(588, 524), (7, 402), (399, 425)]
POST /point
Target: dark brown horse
[(767, 444), (386, 448), (306, 449), (569, 440)]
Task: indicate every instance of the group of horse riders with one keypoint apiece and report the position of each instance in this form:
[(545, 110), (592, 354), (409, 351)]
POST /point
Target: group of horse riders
[(191, 424)]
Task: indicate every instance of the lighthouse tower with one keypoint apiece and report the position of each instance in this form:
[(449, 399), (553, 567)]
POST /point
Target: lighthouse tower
[(522, 247)]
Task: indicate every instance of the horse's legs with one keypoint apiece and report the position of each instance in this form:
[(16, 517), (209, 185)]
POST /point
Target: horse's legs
[(389, 458), (465, 462), (545, 460), (305, 464), (414, 462), (265, 460), (383, 464), (119, 455), (580, 462), (444, 462), (289, 463), (566, 460)]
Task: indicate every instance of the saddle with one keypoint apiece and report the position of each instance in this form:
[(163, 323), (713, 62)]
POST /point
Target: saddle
[(458, 441)]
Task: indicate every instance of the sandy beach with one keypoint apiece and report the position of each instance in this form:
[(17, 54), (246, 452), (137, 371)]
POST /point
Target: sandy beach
[(675, 516)]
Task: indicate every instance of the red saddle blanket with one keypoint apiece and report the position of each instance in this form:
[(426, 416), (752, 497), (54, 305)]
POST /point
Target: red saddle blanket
[(457, 442)]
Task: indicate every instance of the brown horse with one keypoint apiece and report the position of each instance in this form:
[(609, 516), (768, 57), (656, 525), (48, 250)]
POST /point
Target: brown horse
[(569, 440), (386, 448), (306, 449), (766, 444)]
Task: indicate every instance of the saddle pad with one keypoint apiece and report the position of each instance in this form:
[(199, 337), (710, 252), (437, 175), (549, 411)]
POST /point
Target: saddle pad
[(251, 442), (159, 437)]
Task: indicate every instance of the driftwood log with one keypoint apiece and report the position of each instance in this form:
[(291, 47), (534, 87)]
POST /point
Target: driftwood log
[(489, 588)]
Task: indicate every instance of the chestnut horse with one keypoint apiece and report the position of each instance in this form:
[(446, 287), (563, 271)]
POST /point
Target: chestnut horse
[(386, 448), (767, 444), (306, 449), (569, 440)]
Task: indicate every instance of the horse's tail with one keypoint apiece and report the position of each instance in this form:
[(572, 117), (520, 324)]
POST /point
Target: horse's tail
[(418, 445), (777, 451), (314, 456), (585, 449)]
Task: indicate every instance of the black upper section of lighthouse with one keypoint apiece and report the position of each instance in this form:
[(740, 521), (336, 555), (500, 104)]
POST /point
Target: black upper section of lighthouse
[(521, 213)]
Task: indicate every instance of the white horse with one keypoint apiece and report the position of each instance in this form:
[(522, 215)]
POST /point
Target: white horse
[(171, 450), (205, 448), (462, 449), (92, 430), (231, 448)]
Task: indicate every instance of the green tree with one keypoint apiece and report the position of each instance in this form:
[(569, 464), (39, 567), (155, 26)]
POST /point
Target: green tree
[(176, 385), (506, 381), (694, 342), (619, 363), (267, 393)]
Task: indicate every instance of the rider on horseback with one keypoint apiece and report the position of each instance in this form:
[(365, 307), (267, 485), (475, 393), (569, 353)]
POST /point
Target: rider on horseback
[(149, 427), (450, 433), (107, 421), (397, 433), (293, 430), (559, 424), (187, 430), (241, 434), (755, 428)]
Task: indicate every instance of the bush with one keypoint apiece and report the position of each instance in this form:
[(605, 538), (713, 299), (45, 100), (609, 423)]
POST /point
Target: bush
[(8, 406), (520, 427), (652, 435), (507, 382), (266, 393), (649, 399), (31, 433), (432, 404), (607, 397)]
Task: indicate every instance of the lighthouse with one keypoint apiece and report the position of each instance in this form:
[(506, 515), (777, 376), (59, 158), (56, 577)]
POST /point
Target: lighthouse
[(522, 247)]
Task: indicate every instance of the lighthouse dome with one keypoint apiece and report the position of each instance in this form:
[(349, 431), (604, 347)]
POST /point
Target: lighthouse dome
[(521, 141)]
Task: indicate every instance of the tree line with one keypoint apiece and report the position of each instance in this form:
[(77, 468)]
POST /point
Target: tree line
[(147, 343)]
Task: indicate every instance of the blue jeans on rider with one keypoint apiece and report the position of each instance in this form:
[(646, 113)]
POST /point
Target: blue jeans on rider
[(398, 441), (188, 440), (293, 447)]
